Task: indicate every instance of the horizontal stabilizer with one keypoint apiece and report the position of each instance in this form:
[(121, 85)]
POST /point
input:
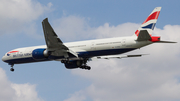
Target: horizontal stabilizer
[(143, 36), (165, 42)]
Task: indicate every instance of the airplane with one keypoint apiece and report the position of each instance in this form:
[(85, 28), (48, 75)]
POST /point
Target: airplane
[(77, 54)]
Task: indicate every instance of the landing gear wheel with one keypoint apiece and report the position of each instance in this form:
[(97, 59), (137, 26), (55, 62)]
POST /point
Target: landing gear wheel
[(12, 69), (85, 67), (88, 68)]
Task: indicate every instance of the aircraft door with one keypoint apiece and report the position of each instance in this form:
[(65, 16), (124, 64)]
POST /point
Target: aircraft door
[(124, 42), (93, 46)]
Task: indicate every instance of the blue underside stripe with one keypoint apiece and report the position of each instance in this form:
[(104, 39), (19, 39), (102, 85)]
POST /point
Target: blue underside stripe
[(88, 54), (103, 52)]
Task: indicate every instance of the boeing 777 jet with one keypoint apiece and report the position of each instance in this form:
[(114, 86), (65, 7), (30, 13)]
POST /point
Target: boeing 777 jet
[(76, 54)]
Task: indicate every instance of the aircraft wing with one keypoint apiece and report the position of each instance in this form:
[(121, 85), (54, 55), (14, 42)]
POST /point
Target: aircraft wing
[(54, 44), (117, 56)]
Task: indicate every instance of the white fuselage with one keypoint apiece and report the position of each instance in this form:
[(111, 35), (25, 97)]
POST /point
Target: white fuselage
[(85, 49)]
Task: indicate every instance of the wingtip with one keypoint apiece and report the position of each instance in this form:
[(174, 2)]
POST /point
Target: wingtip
[(45, 19)]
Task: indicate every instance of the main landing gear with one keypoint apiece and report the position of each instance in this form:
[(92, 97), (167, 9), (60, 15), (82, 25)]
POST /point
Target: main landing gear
[(76, 64), (85, 67)]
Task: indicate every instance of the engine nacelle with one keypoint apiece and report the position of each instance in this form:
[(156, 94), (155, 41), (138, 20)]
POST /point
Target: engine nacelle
[(40, 54), (73, 64)]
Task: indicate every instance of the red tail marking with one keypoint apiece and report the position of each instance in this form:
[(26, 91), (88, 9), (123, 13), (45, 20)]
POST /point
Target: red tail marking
[(152, 16), (137, 32), (155, 38)]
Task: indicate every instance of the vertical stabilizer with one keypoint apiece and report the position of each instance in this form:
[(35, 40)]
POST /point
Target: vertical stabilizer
[(150, 22)]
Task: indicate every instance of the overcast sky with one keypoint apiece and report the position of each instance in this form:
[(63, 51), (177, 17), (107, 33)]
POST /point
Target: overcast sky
[(154, 77)]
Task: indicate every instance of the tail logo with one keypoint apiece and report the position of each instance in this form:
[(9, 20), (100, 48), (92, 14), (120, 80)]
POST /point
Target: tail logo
[(150, 26), (150, 21), (153, 16)]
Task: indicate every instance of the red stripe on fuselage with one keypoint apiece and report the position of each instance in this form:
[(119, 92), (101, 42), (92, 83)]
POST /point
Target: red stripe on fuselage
[(152, 16), (13, 52)]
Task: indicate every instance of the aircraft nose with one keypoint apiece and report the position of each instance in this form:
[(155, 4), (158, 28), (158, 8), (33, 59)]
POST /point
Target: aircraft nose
[(4, 58)]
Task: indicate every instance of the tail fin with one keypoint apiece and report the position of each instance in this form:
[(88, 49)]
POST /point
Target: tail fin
[(145, 30), (150, 22)]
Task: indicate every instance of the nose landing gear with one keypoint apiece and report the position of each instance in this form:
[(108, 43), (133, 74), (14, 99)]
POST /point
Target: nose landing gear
[(12, 69)]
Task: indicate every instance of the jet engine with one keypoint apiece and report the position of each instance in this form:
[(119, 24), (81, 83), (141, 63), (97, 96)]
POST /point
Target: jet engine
[(40, 54)]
